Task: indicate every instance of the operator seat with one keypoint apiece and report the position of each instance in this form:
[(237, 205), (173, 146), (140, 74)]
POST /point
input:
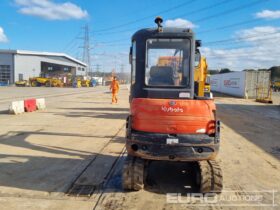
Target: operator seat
[(161, 75)]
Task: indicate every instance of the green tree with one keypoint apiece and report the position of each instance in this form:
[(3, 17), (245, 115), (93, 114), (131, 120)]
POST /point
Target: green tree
[(275, 73), (225, 70), (212, 72)]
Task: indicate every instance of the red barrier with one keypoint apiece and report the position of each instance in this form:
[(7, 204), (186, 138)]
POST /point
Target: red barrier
[(30, 105)]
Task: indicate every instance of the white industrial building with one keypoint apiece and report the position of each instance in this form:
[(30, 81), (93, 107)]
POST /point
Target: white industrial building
[(18, 65)]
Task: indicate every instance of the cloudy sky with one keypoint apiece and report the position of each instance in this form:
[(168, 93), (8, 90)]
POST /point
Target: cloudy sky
[(236, 34)]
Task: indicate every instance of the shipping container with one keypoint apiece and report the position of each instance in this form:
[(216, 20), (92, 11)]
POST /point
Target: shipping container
[(244, 84)]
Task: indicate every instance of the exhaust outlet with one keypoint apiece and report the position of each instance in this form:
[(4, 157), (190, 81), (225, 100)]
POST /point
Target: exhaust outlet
[(134, 147), (199, 150), (171, 157)]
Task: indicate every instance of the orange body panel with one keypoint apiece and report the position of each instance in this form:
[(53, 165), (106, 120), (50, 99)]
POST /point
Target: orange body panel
[(173, 116)]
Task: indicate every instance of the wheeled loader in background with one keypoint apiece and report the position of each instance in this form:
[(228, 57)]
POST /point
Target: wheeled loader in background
[(38, 81), (169, 120), (85, 83), (47, 82), (22, 83)]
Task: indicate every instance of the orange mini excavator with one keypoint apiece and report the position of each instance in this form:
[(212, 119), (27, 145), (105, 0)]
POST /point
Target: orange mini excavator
[(168, 119)]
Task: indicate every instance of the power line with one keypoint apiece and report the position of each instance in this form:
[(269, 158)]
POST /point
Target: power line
[(138, 9), (198, 33), (110, 54), (117, 32), (244, 6), (201, 32), (217, 28), (236, 48), (71, 42), (116, 44), (239, 39), (233, 55), (229, 54), (230, 11), (147, 17), (189, 13), (229, 26), (238, 53), (114, 41), (225, 41), (216, 42), (203, 9), (70, 49)]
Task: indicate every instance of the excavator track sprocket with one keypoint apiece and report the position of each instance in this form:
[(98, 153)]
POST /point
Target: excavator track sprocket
[(209, 177), (133, 173)]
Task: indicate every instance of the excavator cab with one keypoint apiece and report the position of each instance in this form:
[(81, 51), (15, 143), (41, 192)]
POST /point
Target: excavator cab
[(168, 120)]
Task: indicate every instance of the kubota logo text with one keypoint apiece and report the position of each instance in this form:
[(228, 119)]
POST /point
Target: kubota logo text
[(171, 109)]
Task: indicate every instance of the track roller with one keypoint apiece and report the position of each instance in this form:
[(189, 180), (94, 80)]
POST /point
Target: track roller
[(133, 173), (209, 177)]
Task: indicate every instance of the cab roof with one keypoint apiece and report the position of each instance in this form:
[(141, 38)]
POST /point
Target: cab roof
[(166, 32)]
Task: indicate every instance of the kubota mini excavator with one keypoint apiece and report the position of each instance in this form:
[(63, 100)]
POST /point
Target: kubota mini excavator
[(168, 118)]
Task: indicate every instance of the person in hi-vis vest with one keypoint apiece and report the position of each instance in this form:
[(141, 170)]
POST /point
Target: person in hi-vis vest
[(115, 89)]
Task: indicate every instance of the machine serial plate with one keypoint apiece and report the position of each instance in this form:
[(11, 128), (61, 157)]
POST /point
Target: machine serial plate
[(172, 141)]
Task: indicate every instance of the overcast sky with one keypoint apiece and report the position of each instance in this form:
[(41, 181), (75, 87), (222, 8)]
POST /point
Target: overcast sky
[(236, 34)]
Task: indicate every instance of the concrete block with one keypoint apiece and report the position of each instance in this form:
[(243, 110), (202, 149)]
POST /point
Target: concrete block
[(30, 105), (17, 107), (40, 103)]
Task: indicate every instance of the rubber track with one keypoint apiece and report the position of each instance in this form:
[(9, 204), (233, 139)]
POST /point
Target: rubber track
[(133, 174), (211, 178)]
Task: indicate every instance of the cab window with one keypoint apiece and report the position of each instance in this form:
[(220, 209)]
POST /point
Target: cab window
[(167, 62)]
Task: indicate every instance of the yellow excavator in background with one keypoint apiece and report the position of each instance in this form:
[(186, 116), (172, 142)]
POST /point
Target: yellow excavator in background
[(202, 78)]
